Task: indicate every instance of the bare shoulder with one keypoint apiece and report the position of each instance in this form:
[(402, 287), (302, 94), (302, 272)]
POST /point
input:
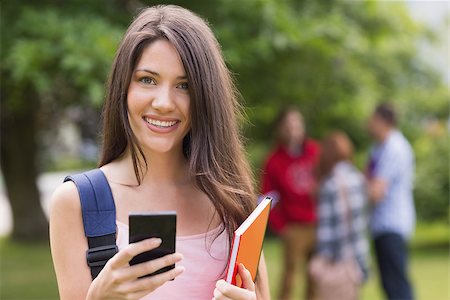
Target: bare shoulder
[(65, 199), (65, 210), (68, 243)]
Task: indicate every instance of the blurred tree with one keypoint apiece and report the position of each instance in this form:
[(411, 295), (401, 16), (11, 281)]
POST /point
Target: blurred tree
[(52, 56), (334, 59), (432, 184)]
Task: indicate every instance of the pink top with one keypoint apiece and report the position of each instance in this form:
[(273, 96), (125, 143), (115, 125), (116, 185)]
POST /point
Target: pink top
[(205, 260)]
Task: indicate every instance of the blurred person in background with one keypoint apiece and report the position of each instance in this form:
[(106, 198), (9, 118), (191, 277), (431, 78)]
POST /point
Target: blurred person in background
[(390, 174), (289, 173), (340, 264)]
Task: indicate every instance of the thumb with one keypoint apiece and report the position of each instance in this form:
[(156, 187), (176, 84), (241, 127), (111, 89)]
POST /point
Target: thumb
[(246, 276)]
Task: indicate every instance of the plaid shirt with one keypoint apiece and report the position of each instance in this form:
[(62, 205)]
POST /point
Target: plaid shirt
[(342, 235)]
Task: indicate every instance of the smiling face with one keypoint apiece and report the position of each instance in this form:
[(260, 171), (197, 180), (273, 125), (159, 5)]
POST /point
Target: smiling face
[(158, 99)]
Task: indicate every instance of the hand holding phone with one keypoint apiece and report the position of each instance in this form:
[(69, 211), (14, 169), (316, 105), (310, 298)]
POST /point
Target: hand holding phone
[(144, 225)]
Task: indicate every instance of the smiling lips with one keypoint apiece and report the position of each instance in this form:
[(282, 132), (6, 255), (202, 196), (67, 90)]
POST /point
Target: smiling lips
[(161, 126)]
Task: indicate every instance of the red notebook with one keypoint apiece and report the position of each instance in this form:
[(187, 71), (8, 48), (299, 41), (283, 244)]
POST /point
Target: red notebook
[(248, 242)]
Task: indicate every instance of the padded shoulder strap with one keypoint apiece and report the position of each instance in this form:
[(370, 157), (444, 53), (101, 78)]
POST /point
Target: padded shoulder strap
[(97, 203), (99, 217)]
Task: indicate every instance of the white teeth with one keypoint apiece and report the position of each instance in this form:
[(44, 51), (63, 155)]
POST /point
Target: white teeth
[(159, 123)]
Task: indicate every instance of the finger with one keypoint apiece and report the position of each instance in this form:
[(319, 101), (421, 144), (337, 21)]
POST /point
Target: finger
[(149, 284), (152, 265), (124, 256), (246, 276), (219, 296), (231, 291)]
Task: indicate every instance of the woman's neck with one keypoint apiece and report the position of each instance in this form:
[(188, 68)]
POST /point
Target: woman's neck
[(161, 169)]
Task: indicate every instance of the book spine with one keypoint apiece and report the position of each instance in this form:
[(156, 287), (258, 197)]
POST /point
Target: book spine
[(232, 268)]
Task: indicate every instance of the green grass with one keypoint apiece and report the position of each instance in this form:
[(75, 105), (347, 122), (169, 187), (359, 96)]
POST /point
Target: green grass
[(429, 266), (26, 270)]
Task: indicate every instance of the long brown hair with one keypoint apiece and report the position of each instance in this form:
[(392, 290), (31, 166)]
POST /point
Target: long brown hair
[(336, 147), (213, 147)]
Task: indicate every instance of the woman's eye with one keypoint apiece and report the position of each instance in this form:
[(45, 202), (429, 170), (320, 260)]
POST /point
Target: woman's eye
[(147, 80), (183, 86)]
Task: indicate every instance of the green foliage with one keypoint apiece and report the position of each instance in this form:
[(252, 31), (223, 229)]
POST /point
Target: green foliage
[(63, 57), (55, 57), (432, 180), (334, 59)]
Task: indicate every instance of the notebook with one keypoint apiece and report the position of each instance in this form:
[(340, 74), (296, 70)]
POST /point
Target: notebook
[(248, 242)]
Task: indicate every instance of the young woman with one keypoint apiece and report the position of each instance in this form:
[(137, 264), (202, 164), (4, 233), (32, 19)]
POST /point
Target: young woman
[(289, 173), (170, 142), (342, 223)]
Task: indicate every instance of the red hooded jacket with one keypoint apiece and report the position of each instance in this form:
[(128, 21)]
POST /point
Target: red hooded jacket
[(292, 178)]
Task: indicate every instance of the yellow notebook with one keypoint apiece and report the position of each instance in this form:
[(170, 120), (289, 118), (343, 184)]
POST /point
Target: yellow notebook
[(248, 242)]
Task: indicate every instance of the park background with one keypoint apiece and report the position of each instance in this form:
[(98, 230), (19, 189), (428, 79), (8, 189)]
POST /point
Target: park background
[(334, 59)]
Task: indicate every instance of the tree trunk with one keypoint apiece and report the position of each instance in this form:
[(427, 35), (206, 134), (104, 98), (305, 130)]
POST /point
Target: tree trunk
[(18, 162)]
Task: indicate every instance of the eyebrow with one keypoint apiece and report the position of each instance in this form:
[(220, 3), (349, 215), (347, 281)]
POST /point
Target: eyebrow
[(157, 74)]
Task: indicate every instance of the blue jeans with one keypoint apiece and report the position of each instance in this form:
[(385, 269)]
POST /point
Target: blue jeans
[(392, 258)]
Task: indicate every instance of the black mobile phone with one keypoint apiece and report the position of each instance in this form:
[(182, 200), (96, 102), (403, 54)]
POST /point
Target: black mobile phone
[(144, 225)]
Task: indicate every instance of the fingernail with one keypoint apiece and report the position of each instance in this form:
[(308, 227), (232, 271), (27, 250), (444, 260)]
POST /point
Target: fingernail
[(158, 241), (220, 283), (176, 257), (181, 269), (178, 271)]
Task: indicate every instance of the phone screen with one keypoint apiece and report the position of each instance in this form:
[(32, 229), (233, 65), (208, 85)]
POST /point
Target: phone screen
[(161, 225)]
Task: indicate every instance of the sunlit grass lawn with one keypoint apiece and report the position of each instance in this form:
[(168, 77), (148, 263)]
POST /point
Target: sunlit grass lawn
[(26, 269), (430, 266), (26, 272)]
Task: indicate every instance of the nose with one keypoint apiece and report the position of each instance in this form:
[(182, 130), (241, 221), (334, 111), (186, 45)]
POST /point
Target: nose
[(163, 101)]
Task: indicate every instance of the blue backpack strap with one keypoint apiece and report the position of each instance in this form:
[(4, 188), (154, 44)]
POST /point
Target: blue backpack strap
[(99, 217)]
